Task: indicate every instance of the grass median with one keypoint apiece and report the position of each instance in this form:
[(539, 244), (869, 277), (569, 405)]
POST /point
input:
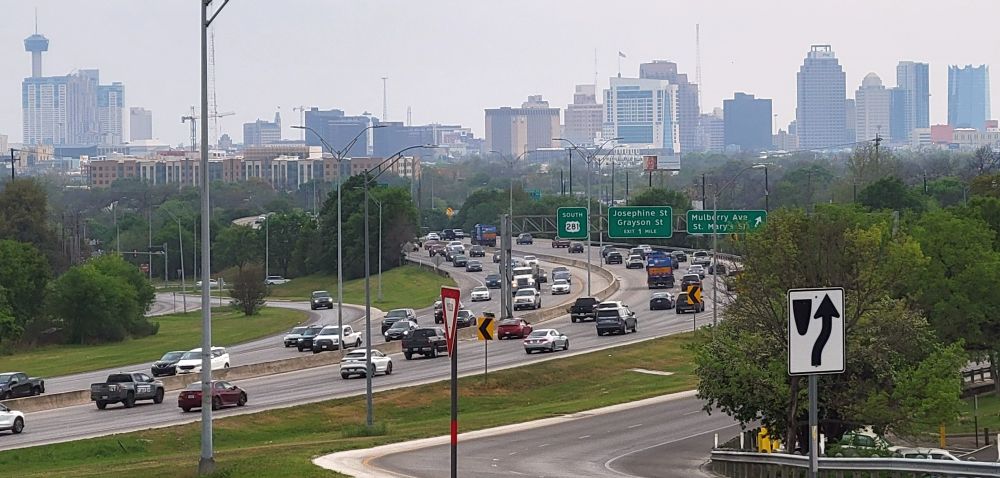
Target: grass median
[(282, 443), (406, 286), (177, 332)]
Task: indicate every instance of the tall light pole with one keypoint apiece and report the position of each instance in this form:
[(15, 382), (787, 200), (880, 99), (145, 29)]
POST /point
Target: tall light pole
[(589, 160), (368, 179), (511, 162), (267, 246), (206, 463), (715, 240), (339, 157), (379, 247), (180, 243)]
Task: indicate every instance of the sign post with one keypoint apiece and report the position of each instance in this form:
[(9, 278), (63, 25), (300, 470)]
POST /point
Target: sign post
[(485, 331), (450, 297), (693, 298), (816, 345)]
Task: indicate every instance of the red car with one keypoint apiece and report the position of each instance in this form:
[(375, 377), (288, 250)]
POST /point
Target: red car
[(510, 328), (223, 394)]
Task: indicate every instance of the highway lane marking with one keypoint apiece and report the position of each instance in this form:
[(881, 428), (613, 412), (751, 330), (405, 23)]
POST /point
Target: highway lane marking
[(581, 438), (543, 445), (692, 412), (607, 464), (634, 426)]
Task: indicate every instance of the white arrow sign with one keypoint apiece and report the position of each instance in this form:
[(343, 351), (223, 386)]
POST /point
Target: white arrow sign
[(816, 331)]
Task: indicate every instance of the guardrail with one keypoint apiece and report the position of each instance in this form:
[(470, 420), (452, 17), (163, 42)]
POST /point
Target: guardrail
[(749, 464)]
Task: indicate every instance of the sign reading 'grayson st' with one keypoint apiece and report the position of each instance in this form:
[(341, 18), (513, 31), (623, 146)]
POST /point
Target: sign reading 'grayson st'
[(633, 222), (728, 221)]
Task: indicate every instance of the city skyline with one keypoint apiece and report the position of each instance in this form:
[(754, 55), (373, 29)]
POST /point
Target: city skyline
[(254, 79)]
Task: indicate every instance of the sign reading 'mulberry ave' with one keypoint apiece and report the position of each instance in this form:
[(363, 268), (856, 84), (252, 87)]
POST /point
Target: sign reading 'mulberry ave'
[(728, 221)]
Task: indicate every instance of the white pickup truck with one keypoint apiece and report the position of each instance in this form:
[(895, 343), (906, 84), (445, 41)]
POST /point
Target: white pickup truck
[(329, 338)]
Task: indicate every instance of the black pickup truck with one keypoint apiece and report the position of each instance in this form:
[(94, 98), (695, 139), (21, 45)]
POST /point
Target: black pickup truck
[(427, 341), (584, 308), (19, 384), (126, 388)]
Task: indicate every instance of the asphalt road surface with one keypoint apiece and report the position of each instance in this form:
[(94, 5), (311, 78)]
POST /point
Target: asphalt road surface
[(662, 439), (322, 383)]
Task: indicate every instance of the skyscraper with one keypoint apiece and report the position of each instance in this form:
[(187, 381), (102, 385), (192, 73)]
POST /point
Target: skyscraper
[(747, 122), (873, 107), (968, 96), (688, 108), (512, 131), (110, 105), (339, 129), (260, 132), (583, 116), (821, 111), (912, 78), (643, 112), (140, 123)]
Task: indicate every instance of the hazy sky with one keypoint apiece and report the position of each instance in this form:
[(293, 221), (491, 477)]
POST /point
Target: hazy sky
[(449, 59)]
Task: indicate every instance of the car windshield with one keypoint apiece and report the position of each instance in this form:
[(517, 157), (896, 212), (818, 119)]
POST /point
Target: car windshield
[(396, 313), (119, 378), (560, 282), (539, 333), (192, 354), (5, 378), (530, 258), (194, 386), (168, 357), (693, 277), (480, 289), (492, 277), (525, 292), (474, 263), (332, 330), (320, 293), (310, 331), (402, 324), (660, 295), (355, 355), (297, 330), (510, 322), (465, 313)]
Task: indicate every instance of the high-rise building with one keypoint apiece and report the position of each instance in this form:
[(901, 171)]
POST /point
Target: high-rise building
[(262, 132), (339, 130), (968, 96), (140, 123), (712, 131), (873, 105), (913, 79), (583, 117), (688, 108), (898, 133), (512, 131), (821, 110), (643, 112), (110, 105), (747, 122), (851, 120)]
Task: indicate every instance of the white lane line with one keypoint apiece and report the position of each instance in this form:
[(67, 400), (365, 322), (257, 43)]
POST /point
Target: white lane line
[(693, 412), (581, 438), (634, 426), (543, 445), (607, 464)]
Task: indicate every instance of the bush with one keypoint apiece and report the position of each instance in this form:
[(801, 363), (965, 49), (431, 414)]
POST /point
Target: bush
[(249, 290)]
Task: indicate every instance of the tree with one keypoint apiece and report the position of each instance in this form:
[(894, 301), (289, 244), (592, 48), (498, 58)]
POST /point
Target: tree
[(947, 191), (249, 290), (24, 274), (9, 328), (868, 164), (984, 160), (95, 307), (743, 366), (284, 230), (24, 217), (890, 193), (114, 266), (662, 197), (237, 246)]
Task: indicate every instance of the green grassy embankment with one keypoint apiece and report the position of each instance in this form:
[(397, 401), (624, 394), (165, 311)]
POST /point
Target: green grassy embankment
[(407, 286)]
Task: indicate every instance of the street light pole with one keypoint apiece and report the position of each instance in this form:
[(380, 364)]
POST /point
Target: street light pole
[(267, 246)]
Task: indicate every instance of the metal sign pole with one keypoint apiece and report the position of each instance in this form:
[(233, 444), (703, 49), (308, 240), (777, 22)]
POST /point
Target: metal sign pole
[(454, 408), (813, 429), (486, 361)]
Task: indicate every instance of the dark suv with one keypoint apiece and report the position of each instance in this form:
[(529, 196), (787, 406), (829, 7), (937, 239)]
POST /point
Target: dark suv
[(477, 251), (396, 315), (306, 339), (613, 257), (321, 298), (616, 320), (525, 238)]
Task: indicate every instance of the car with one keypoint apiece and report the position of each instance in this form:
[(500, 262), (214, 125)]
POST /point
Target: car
[(513, 328), (459, 260), (863, 442), (559, 242), (576, 247), (525, 238), (493, 281), (613, 257), (224, 394), (661, 301), (697, 269), (19, 384), (459, 234), (646, 248), (429, 243), (126, 388), (562, 275), (610, 304), (399, 330), (329, 338), (465, 318), (12, 420), (680, 256), (496, 257), (437, 249), (922, 453), (292, 337), (477, 251), (321, 299), (540, 275), (527, 298), (721, 267), (480, 293), (681, 305), (473, 265), (606, 249), (545, 340), (701, 258), (583, 308), (530, 261), (634, 262), (167, 365), (276, 280), (689, 280), (433, 236), (619, 320), (448, 234), (438, 312), (560, 286), (212, 283), (306, 337), (637, 251), (426, 341), (190, 362), (398, 314), (456, 243), (355, 363)]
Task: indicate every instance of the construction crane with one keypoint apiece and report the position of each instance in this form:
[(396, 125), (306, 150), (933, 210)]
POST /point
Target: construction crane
[(193, 119)]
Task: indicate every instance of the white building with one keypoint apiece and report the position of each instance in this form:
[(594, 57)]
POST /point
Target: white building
[(583, 116), (873, 103), (643, 112)]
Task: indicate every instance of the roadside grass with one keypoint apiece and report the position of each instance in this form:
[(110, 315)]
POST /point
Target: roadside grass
[(989, 416), (406, 286), (282, 443), (177, 332)]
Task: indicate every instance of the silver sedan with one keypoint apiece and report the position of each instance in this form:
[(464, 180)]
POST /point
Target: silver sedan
[(546, 340)]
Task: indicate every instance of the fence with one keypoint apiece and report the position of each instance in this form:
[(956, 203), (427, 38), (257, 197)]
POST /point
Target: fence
[(738, 464)]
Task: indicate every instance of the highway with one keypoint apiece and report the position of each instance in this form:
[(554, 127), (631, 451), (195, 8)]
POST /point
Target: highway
[(323, 383), (644, 441)]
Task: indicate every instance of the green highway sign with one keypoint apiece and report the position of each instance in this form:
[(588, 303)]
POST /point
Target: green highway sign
[(728, 221), (571, 222), (635, 222)]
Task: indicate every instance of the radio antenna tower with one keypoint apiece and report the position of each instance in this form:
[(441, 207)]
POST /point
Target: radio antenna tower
[(212, 100), (697, 65)]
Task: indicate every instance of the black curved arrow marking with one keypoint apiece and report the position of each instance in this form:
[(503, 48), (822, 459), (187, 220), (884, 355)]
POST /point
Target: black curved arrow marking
[(826, 311)]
